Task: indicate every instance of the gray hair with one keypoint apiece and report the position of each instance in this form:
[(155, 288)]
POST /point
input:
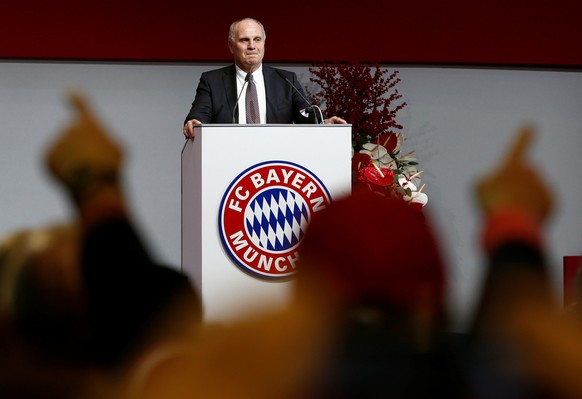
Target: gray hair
[(232, 30)]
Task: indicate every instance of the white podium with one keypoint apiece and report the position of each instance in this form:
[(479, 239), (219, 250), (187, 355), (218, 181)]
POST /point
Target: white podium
[(248, 193)]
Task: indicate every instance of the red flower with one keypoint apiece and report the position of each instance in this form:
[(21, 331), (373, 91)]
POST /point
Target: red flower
[(388, 141), (366, 95), (415, 205), (360, 161), (379, 176), (361, 175), (363, 93)]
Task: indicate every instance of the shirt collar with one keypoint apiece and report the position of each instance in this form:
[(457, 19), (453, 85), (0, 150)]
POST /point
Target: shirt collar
[(242, 74)]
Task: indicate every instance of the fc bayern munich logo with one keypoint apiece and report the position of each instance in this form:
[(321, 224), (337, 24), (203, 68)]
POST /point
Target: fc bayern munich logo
[(264, 214)]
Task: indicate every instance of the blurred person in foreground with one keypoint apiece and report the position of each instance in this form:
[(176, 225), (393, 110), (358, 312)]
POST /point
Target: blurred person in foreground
[(85, 299), (519, 344), (376, 264), (367, 319), (368, 316)]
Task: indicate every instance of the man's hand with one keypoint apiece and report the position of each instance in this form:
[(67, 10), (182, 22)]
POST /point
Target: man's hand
[(189, 128), (334, 120), (516, 184)]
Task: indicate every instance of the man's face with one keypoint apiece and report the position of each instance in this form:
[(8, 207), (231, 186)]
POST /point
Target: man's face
[(248, 46)]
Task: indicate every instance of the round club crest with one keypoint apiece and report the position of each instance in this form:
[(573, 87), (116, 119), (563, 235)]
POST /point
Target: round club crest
[(264, 214)]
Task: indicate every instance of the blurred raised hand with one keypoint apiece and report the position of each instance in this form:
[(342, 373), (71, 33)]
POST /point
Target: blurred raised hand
[(84, 156), (516, 184)]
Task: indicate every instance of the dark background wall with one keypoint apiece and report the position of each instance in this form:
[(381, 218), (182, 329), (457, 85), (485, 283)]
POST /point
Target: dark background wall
[(494, 32)]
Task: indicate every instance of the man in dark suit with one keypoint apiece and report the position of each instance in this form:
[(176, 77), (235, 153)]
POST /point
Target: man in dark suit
[(219, 90)]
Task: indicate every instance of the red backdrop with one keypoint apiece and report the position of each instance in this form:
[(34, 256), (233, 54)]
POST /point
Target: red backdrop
[(571, 266), (495, 32)]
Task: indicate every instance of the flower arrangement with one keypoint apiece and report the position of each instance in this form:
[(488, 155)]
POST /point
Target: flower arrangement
[(366, 96)]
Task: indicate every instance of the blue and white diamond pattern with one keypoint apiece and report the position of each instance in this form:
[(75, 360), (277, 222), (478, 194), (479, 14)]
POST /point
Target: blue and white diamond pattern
[(276, 219)]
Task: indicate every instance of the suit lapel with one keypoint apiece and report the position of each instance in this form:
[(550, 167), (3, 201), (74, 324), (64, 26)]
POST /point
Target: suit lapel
[(269, 93)]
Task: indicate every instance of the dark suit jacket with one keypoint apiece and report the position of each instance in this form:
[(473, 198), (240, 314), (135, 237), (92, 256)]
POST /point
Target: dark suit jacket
[(216, 97)]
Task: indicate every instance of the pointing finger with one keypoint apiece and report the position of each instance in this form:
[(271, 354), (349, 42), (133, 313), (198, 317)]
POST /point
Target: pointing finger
[(80, 104), (518, 150)]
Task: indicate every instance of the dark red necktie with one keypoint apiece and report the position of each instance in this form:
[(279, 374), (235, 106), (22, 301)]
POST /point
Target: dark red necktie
[(252, 103)]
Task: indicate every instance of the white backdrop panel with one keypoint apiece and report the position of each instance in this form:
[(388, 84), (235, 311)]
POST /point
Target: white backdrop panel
[(458, 121)]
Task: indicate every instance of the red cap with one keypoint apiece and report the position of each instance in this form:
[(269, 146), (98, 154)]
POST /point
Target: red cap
[(371, 247)]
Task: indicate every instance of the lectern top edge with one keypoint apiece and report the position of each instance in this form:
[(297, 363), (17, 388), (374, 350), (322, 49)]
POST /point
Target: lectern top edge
[(264, 125)]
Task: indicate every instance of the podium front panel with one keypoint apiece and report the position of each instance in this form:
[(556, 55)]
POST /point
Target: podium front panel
[(242, 266)]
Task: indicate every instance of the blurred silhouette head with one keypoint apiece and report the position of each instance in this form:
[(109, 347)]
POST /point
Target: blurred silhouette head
[(368, 248), (41, 295)]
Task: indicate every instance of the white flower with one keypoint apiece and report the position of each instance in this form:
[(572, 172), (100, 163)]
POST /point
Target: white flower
[(379, 155), (420, 198), (414, 196), (405, 183)]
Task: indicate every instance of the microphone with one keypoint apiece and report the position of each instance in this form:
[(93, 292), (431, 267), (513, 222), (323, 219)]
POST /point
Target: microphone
[(247, 78), (313, 107)]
